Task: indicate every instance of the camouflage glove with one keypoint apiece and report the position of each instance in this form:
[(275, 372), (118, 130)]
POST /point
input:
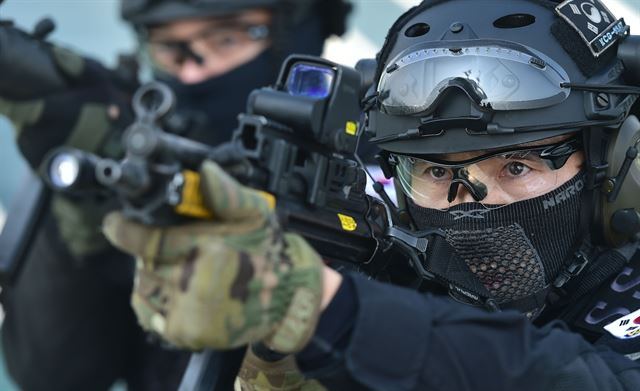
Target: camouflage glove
[(224, 283), (283, 375)]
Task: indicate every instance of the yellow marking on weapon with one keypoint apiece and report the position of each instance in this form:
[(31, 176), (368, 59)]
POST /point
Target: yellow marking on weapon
[(351, 128), (348, 223), (270, 198), (191, 201)]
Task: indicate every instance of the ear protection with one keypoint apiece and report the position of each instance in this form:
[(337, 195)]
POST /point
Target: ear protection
[(621, 206), (621, 202)]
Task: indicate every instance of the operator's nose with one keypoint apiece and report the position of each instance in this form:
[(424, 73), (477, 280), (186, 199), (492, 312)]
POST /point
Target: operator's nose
[(463, 195), (191, 72), (495, 196)]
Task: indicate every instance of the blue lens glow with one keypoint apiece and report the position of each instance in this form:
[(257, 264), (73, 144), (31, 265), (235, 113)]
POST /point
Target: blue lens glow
[(310, 80)]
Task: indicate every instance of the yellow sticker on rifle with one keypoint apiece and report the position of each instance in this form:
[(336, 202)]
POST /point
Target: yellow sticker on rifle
[(270, 198), (351, 128), (347, 222), (191, 201)]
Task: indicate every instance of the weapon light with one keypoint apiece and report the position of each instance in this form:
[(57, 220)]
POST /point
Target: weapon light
[(64, 170), (67, 169)]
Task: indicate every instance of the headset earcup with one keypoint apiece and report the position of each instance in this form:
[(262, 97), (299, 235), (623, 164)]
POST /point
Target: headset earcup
[(629, 196)]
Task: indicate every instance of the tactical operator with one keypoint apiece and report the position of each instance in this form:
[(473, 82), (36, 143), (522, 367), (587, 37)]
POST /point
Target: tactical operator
[(500, 123), (68, 321)]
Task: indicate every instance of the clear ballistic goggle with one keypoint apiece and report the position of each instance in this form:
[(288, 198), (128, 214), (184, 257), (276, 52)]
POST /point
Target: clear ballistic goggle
[(498, 75), (493, 179), (219, 40)]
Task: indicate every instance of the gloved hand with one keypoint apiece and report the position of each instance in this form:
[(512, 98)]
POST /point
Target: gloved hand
[(282, 375), (224, 283)]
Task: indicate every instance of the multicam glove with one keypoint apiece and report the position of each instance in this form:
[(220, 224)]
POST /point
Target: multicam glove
[(283, 375), (223, 283)]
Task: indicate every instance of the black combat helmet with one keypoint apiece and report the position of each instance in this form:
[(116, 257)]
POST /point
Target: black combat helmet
[(143, 13), (467, 75), (299, 26)]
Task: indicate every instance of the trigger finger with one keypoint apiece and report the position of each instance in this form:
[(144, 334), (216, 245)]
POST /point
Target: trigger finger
[(132, 237)]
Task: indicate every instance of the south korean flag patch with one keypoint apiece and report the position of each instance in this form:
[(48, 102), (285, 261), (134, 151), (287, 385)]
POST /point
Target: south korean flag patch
[(626, 327), (594, 22)]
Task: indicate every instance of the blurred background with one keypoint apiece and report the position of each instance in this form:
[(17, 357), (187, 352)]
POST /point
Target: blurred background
[(93, 27)]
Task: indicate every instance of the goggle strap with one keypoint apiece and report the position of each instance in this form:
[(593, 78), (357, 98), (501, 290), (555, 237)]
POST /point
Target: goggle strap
[(614, 89)]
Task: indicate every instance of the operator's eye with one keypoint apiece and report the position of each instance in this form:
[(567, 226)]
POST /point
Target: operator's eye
[(438, 172), (516, 169), (225, 39)]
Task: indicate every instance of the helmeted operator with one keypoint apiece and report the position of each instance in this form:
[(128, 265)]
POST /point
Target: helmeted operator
[(214, 53), (511, 125), (68, 321)]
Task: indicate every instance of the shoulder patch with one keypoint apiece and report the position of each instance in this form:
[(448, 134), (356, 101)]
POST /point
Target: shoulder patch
[(593, 21), (625, 327)]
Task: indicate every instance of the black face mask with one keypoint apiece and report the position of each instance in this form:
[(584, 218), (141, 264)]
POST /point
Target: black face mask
[(517, 250), (211, 107)]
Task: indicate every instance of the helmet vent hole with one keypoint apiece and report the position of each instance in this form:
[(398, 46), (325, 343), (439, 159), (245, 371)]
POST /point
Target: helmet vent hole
[(514, 21), (417, 30)]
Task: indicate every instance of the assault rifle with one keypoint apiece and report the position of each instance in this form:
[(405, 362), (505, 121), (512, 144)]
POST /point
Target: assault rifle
[(298, 142)]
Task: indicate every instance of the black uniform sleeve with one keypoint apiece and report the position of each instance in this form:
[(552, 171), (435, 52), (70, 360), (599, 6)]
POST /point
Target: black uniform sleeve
[(69, 324), (403, 340)]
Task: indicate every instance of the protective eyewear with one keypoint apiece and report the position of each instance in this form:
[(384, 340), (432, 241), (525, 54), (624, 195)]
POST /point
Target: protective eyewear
[(219, 40), (494, 179), (494, 74)]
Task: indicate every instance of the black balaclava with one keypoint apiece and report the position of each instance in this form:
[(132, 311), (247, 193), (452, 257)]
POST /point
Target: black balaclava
[(212, 106), (516, 250)]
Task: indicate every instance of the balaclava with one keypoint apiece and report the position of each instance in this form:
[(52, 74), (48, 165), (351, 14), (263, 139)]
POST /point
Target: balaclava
[(516, 250), (212, 106)]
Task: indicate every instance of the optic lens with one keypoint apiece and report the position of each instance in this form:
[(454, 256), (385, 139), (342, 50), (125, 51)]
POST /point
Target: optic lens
[(310, 80), (64, 170)]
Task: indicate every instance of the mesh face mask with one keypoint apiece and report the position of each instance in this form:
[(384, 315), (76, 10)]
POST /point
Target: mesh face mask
[(517, 250)]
